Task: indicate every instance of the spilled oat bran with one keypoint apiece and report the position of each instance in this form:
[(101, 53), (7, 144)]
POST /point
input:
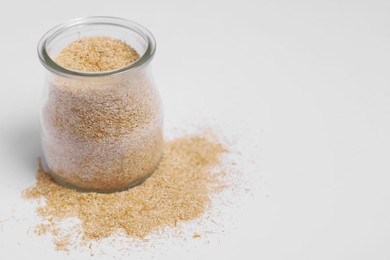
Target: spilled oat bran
[(179, 190)]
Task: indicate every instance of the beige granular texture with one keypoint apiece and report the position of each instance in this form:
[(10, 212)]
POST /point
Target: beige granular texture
[(96, 54), (101, 133), (179, 190)]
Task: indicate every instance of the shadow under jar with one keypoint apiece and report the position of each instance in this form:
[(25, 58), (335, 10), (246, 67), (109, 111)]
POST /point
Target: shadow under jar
[(101, 131)]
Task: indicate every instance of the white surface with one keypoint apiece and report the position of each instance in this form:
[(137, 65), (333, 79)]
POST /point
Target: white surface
[(305, 83)]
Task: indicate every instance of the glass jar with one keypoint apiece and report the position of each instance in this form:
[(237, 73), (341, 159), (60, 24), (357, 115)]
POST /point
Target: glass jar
[(101, 131)]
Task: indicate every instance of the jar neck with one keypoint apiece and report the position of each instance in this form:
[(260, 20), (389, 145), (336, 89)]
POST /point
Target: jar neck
[(62, 35)]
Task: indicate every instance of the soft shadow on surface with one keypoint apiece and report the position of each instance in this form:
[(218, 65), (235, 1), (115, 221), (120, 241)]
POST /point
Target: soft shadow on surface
[(24, 144)]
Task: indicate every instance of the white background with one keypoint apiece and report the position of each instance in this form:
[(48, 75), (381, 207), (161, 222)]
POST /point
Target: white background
[(306, 82)]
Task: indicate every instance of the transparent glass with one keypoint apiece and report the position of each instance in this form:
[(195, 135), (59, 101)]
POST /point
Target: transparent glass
[(101, 131)]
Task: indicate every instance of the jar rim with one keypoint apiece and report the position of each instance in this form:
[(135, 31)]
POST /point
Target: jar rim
[(54, 67)]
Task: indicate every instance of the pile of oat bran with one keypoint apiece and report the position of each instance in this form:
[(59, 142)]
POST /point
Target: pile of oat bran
[(179, 190)]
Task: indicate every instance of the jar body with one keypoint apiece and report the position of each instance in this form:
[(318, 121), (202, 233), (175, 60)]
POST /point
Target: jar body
[(102, 133)]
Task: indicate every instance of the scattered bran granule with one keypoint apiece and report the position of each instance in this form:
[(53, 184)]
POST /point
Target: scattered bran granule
[(179, 190), (196, 236), (96, 54), (62, 242), (44, 228)]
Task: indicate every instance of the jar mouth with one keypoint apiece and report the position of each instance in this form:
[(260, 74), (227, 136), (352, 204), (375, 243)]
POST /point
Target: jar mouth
[(143, 33)]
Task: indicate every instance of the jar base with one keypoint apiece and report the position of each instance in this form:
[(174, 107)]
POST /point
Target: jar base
[(66, 184)]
